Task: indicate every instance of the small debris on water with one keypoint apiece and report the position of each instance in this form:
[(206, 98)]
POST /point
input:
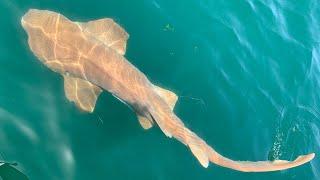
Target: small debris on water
[(168, 27)]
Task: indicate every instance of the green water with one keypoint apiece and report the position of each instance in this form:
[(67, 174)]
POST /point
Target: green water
[(248, 73)]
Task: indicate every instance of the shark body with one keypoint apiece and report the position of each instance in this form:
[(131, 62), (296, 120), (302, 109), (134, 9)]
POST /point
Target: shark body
[(90, 56)]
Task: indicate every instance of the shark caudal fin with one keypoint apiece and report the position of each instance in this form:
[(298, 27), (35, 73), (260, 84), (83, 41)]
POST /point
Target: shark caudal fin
[(172, 126), (205, 152)]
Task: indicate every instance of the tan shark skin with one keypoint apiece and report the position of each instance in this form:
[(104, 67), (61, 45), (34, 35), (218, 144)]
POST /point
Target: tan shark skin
[(83, 51)]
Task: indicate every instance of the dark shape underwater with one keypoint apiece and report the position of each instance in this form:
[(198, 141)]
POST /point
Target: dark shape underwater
[(9, 172)]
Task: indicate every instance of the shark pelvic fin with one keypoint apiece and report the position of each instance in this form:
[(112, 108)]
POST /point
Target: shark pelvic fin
[(83, 93), (108, 32), (200, 154), (145, 122), (170, 97)]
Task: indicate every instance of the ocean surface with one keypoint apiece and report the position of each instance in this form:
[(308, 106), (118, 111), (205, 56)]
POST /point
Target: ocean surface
[(247, 74)]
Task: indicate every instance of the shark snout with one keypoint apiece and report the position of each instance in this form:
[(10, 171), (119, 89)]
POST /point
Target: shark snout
[(31, 16), (26, 17), (23, 23)]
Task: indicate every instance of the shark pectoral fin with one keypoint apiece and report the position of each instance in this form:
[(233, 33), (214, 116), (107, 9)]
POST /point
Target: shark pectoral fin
[(83, 93), (170, 97), (108, 32), (145, 122)]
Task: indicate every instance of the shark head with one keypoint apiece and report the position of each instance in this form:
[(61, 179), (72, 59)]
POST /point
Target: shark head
[(51, 38), (40, 28)]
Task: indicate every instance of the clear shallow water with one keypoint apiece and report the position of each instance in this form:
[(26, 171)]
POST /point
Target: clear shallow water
[(254, 65)]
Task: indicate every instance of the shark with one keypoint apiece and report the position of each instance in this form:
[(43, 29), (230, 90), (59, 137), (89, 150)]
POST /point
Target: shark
[(90, 57)]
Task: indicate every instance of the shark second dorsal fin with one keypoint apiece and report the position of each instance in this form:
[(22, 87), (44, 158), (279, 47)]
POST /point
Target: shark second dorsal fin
[(83, 93), (108, 32), (170, 97)]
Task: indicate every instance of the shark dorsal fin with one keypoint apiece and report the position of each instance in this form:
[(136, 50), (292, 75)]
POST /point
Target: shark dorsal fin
[(170, 97), (83, 93), (108, 32)]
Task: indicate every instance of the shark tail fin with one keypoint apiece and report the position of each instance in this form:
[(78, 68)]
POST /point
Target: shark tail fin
[(204, 153), (209, 153), (172, 126)]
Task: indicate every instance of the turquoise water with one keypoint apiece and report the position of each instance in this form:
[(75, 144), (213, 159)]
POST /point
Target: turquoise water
[(247, 73)]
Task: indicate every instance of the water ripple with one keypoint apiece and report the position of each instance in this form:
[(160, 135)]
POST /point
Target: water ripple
[(21, 124), (314, 24), (314, 164)]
